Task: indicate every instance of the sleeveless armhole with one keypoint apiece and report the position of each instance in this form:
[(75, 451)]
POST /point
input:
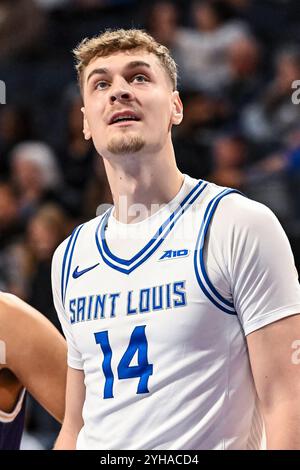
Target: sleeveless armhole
[(200, 270), (67, 260)]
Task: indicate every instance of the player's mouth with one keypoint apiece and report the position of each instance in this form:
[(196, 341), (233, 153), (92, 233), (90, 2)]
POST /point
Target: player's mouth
[(123, 118)]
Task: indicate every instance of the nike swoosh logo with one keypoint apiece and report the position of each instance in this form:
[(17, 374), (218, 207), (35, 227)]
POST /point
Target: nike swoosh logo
[(77, 273)]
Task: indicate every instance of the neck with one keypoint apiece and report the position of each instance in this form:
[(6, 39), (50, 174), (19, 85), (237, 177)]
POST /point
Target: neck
[(147, 181)]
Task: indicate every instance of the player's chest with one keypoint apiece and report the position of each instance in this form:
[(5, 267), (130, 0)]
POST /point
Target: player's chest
[(161, 297)]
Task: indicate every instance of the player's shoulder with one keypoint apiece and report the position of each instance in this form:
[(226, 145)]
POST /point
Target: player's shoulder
[(238, 214), (238, 209), (230, 211)]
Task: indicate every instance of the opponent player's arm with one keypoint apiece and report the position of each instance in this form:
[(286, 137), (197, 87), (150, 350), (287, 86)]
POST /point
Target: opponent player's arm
[(277, 378), (10, 389), (73, 421), (35, 353)]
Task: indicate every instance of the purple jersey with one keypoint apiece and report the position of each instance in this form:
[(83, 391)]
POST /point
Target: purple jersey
[(11, 431)]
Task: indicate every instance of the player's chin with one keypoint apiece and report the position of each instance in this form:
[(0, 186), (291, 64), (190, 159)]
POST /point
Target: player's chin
[(122, 145)]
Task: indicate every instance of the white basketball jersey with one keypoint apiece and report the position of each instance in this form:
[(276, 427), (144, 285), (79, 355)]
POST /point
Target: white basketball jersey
[(163, 350)]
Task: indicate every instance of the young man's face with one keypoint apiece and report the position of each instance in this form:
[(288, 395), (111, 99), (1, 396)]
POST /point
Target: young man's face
[(129, 105)]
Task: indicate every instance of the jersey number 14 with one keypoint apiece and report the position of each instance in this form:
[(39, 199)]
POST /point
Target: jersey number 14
[(138, 343)]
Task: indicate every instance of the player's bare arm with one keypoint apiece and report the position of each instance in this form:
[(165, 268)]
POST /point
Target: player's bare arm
[(277, 380), (73, 421), (35, 357)]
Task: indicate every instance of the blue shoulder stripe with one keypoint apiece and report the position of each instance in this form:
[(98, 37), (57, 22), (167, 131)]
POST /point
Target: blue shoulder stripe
[(207, 287)]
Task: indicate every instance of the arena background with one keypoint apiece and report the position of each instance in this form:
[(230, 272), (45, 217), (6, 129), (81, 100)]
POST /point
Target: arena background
[(238, 62)]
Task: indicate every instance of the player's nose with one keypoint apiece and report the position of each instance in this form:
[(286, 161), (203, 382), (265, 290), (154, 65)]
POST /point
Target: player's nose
[(121, 92)]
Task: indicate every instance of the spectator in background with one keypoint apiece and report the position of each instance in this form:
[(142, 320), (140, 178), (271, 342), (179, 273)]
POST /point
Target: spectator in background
[(244, 79), (199, 51), (11, 231), (291, 164), (265, 181), (204, 116), (75, 153), (275, 180), (205, 63), (229, 158), (162, 22), (22, 25), (37, 178), (273, 114), (45, 231), (15, 126), (10, 225)]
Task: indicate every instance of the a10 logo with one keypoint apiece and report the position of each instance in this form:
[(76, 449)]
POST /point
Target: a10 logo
[(170, 254)]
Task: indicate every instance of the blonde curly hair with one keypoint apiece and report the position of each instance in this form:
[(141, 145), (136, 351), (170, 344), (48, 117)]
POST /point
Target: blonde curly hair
[(110, 42)]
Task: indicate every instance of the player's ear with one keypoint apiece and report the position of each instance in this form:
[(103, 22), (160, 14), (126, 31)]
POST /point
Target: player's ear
[(177, 114), (86, 129)]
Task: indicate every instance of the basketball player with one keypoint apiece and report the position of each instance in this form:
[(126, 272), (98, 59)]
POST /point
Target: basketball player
[(32, 356), (179, 322)]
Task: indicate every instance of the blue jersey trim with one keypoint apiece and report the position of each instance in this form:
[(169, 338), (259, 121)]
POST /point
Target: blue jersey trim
[(74, 236), (209, 290), (153, 239), (156, 240), (132, 268), (64, 264), (214, 203), (210, 297)]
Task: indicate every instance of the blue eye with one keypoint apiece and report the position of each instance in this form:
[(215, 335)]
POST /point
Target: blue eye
[(140, 78), (101, 85)]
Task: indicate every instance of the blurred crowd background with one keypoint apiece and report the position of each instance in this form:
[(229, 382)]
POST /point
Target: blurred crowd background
[(237, 62)]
